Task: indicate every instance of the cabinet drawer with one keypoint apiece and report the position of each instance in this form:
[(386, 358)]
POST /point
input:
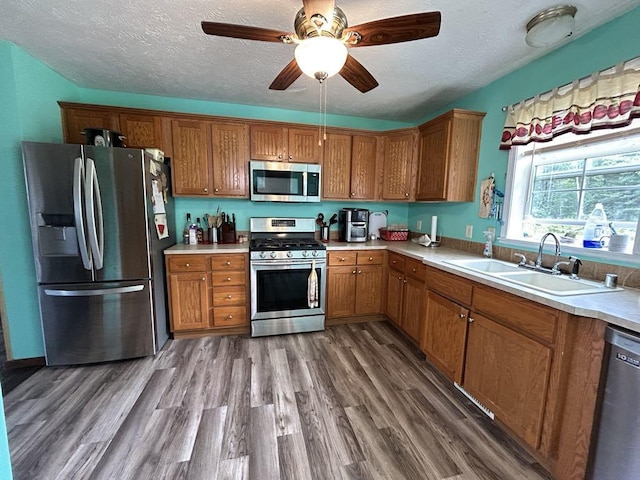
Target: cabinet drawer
[(416, 269), (228, 278), (449, 286), (528, 317), (396, 261), (187, 263), (229, 316), (337, 259), (234, 295), (371, 257), (228, 262)]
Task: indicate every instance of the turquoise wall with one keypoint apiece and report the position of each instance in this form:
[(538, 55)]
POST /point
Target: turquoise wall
[(612, 43)]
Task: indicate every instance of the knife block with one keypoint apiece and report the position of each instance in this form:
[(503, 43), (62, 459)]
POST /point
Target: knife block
[(227, 233)]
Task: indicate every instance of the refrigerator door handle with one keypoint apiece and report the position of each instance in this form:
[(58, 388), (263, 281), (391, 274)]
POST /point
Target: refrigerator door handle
[(78, 187), (94, 214), (93, 292)]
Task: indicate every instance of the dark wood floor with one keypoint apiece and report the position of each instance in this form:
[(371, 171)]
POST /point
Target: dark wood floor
[(352, 402)]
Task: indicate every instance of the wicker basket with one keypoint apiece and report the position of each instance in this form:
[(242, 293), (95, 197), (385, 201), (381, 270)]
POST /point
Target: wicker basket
[(394, 235)]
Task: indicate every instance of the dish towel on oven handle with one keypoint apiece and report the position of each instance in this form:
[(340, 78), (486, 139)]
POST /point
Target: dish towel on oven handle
[(312, 286)]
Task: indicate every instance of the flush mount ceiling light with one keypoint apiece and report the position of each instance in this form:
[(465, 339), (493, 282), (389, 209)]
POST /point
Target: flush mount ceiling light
[(551, 26), (321, 57)]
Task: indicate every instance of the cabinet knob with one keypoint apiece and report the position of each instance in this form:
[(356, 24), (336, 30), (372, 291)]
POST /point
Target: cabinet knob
[(359, 272), (462, 315), (280, 156), (414, 270), (229, 317), (205, 190), (471, 320), (400, 278), (353, 194), (216, 190), (204, 279), (354, 272), (228, 262), (290, 157), (406, 194), (187, 265), (228, 279), (394, 262), (229, 297), (342, 259), (404, 281), (371, 259)]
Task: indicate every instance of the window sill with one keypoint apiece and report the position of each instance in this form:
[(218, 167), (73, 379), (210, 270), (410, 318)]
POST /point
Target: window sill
[(600, 255)]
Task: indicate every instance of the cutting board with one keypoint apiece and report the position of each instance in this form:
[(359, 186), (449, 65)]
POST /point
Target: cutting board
[(377, 220)]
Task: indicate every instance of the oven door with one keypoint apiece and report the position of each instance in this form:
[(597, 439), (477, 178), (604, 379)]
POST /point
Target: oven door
[(279, 288)]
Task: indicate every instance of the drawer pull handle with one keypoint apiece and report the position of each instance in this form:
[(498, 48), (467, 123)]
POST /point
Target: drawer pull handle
[(342, 259), (371, 259), (229, 297), (228, 263), (187, 265), (229, 317)]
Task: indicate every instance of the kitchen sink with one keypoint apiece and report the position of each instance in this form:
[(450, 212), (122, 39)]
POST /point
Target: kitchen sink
[(486, 265), (544, 282)]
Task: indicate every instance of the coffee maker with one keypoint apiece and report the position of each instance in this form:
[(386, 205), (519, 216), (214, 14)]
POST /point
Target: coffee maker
[(353, 224)]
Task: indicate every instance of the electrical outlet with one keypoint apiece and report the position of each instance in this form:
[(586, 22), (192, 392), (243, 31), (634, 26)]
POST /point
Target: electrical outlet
[(419, 225), (492, 231), (468, 232)]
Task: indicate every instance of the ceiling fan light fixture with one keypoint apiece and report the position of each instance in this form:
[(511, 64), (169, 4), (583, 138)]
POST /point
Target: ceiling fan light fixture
[(551, 26), (321, 57)]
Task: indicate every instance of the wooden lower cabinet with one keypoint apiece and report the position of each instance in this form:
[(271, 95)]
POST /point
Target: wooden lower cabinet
[(207, 293), (445, 335), (354, 283), (509, 373), (406, 294)]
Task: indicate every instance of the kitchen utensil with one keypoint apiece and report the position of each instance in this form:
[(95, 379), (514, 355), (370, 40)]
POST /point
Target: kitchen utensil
[(334, 219), (377, 220), (320, 220)]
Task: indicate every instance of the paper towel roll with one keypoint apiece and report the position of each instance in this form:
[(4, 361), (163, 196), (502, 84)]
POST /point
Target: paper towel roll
[(434, 228)]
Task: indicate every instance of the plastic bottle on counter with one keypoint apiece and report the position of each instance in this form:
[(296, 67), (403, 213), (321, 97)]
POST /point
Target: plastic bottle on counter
[(185, 232), (594, 229), (193, 233)]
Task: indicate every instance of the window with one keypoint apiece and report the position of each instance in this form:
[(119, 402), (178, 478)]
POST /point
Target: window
[(554, 187)]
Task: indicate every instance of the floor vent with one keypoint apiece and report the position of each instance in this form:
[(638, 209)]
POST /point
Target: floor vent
[(476, 402)]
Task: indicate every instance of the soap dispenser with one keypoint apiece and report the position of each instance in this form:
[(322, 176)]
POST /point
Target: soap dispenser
[(488, 244)]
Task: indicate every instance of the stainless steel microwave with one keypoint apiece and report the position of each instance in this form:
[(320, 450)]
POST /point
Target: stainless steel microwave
[(284, 182)]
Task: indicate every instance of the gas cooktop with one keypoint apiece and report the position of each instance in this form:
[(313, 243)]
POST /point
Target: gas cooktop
[(271, 243)]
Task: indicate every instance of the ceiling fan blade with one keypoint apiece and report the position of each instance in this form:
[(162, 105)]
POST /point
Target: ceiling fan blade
[(358, 76), (397, 29), (319, 7), (243, 31), (286, 77)]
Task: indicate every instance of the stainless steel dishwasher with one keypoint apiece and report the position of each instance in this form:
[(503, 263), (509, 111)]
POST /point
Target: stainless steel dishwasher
[(617, 443)]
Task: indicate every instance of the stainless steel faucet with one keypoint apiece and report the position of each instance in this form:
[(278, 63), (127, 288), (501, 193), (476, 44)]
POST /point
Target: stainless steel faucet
[(544, 238)]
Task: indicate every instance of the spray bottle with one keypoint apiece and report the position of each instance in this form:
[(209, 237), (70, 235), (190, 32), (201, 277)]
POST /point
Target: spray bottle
[(488, 244)]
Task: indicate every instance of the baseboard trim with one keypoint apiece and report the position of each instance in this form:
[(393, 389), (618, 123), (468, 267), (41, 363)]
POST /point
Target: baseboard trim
[(25, 362)]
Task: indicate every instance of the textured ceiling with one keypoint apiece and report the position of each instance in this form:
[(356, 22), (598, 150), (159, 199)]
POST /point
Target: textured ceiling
[(157, 47)]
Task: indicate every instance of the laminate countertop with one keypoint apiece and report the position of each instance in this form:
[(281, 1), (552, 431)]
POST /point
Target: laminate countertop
[(621, 308)]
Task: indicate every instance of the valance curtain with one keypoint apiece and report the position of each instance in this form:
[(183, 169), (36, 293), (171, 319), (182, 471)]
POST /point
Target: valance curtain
[(606, 99)]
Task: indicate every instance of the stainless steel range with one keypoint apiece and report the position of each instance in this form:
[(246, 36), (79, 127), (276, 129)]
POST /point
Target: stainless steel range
[(283, 252)]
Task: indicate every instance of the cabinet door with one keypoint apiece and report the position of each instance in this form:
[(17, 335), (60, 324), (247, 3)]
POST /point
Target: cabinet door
[(341, 290), (394, 296), (229, 152), (413, 307), (432, 176), (368, 290), (75, 120), (336, 167), (141, 131), (268, 143), (445, 335), (399, 160), (189, 303), (509, 373), (364, 175), (304, 145), (190, 157)]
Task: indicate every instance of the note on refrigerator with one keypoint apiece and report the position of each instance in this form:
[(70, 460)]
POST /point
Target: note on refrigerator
[(162, 228)]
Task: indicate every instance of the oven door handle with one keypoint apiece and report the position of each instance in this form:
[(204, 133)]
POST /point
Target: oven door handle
[(276, 263)]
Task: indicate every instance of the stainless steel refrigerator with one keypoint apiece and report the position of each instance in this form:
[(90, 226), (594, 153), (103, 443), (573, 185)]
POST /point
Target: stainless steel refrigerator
[(97, 215)]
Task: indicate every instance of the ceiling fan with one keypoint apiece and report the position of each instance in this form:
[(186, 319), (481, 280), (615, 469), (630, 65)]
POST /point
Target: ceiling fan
[(322, 36)]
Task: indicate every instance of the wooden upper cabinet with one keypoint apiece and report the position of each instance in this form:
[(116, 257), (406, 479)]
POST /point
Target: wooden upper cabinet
[(364, 173), (278, 143), (268, 142), (304, 145), (191, 154), (336, 167), (448, 160), (76, 119), (230, 152), (141, 131), (399, 166)]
